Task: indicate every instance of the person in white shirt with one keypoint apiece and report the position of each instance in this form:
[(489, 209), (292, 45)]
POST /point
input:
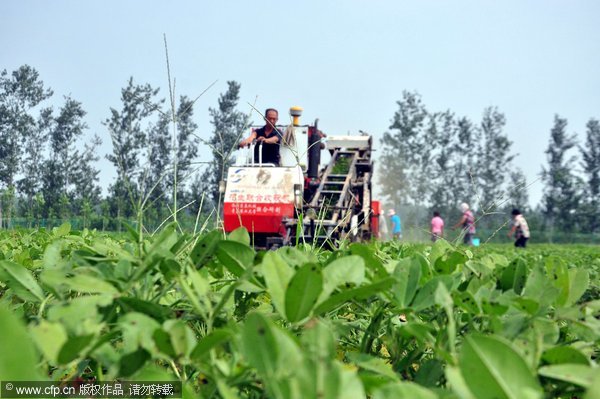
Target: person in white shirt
[(519, 229)]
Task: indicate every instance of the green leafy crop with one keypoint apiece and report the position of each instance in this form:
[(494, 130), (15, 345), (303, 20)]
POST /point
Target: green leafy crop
[(379, 320)]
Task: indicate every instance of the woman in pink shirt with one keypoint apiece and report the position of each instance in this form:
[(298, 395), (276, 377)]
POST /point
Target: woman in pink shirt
[(468, 224), (437, 227)]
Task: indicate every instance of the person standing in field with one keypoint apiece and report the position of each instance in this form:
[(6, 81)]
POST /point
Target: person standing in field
[(519, 229), (396, 224), (467, 222), (383, 227), (437, 227)]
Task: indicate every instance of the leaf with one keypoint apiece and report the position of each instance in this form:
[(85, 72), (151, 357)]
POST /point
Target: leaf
[(578, 374), (514, 276), (540, 288), (162, 340), (52, 257), (593, 391), (135, 237), (449, 262), (183, 338), (153, 372), (408, 274), (491, 368), (318, 341), (53, 281), (210, 341), (226, 391), (320, 374), (579, 280), (269, 349), (564, 354), (442, 298), (520, 277), (18, 360), (154, 310), (259, 344), (430, 373), (277, 275), (132, 362), (74, 348), (49, 337), (527, 305), (372, 363), (235, 257), (558, 272), (548, 329), (21, 281), (302, 292), (170, 269), (80, 315), (62, 230), (350, 385), (112, 249), (345, 270), (467, 301), (205, 248), (90, 285), (296, 257), (425, 296), (421, 332), (240, 235), (138, 331), (164, 241), (180, 244), (403, 390), (439, 249), (456, 381), (361, 292), (373, 263)]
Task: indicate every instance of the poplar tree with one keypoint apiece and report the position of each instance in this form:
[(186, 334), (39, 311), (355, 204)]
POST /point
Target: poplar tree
[(161, 154), (518, 196), (465, 164), (590, 154), (561, 197), (228, 126), (32, 164), (494, 159), (64, 160), (128, 129), (445, 176), (20, 91), (400, 160)]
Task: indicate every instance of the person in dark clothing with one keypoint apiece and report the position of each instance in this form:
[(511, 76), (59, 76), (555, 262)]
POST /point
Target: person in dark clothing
[(268, 139)]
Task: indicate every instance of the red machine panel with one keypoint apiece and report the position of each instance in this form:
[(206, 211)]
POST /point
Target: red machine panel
[(375, 211), (256, 217), (258, 198)]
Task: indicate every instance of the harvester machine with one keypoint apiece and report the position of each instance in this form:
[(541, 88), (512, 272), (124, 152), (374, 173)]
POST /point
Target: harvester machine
[(301, 201)]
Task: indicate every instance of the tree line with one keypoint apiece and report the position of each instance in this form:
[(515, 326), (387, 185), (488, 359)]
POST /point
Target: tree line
[(429, 161), (49, 164), (435, 160)]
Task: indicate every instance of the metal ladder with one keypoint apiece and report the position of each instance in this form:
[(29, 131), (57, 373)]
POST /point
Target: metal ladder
[(333, 200)]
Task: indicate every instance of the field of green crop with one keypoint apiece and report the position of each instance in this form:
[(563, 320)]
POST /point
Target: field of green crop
[(378, 320)]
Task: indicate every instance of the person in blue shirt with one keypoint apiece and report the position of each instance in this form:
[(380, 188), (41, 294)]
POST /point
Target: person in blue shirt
[(396, 225)]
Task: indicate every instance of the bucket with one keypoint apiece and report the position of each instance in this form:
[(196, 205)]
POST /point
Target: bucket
[(476, 242)]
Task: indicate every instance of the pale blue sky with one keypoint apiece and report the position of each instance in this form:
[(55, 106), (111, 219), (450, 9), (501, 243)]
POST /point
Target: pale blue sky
[(345, 62)]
